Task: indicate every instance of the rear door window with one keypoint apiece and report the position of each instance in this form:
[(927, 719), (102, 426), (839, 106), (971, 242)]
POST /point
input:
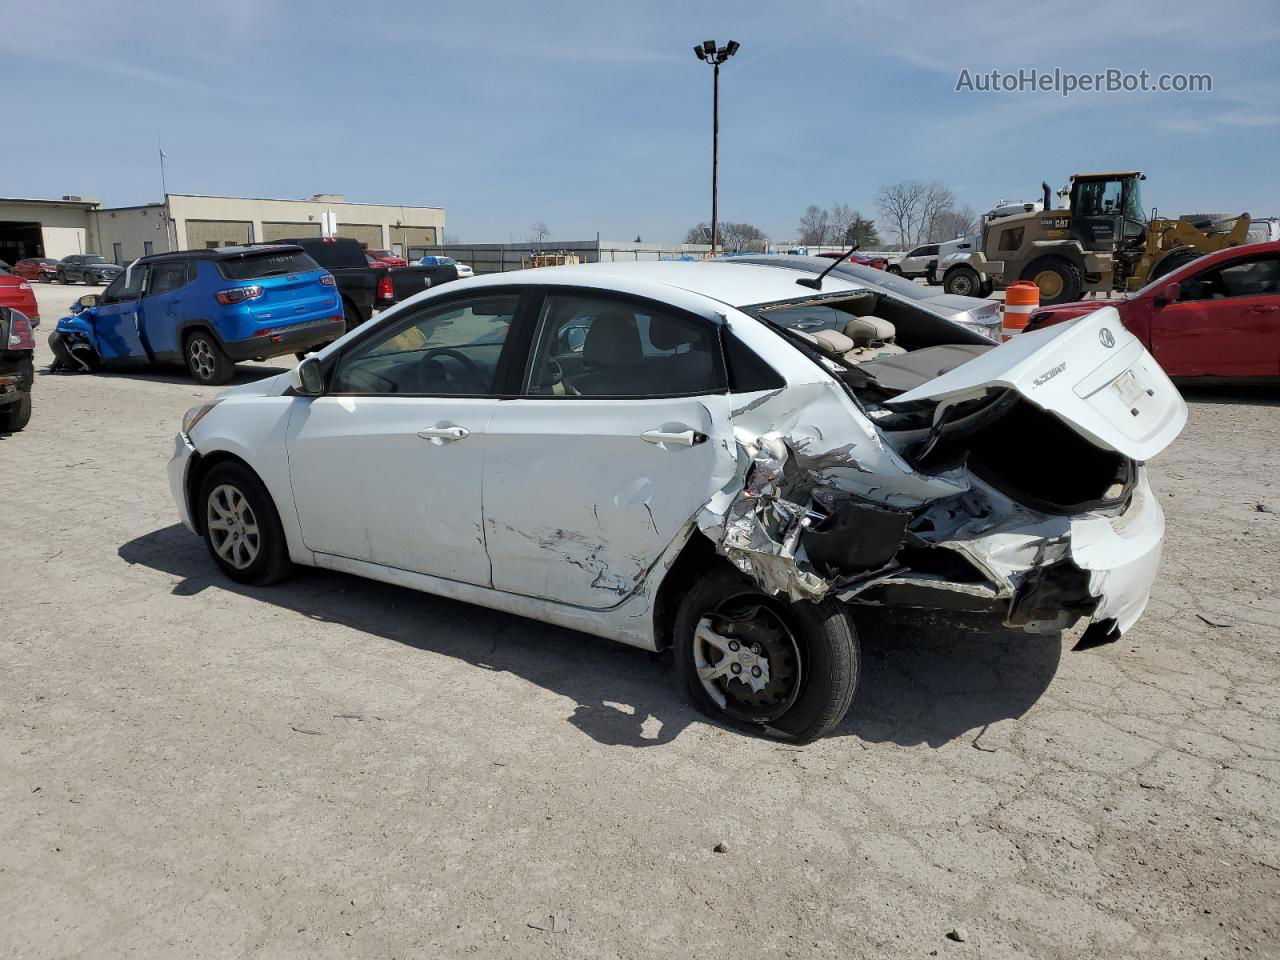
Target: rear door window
[(168, 276), (594, 346), (269, 263)]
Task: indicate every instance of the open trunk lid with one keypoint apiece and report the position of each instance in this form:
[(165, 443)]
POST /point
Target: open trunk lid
[(1092, 373)]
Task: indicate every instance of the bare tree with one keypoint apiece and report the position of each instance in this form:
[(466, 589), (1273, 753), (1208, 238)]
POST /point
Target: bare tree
[(698, 234), (841, 218), (815, 225), (539, 232), (935, 199), (962, 222), (738, 236), (899, 205)]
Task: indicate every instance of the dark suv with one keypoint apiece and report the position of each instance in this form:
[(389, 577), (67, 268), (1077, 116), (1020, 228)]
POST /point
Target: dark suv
[(87, 268)]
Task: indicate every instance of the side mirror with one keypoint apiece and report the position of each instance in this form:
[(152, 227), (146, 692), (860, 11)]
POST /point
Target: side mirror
[(307, 378), (88, 300), (1169, 294)]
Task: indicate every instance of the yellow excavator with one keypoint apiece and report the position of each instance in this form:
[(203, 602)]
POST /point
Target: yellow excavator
[(1101, 240)]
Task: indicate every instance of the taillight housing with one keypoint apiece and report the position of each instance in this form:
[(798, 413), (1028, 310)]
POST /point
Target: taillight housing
[(328, 281), (238, 294), (386, 289), (20, 336)]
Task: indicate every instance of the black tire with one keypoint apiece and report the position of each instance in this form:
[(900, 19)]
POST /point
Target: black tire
[(962, 282), (17, 415), (931, 276), (351, 315), (821, 633), (988, 286), (1069, 283), (894, 269), (1172, 261), (62, 277), (206, 361), (271, 562)]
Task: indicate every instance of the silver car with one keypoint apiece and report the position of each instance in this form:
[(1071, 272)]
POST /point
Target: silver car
[(977, 314)]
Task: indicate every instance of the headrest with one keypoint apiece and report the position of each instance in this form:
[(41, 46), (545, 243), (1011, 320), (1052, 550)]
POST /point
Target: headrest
[(667, 332), (832, 342), (869, 329), (612, 340)]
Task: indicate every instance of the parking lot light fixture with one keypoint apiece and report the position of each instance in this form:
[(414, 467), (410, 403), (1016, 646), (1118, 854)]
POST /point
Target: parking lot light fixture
[(708, 53)]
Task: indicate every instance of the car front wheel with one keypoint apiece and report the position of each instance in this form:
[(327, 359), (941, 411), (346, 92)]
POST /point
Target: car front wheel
[(241, 526), (788, 670)]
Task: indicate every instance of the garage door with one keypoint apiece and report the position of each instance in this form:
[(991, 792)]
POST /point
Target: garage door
[(370, 234), (413, 237), (279, 230), (217, 233)]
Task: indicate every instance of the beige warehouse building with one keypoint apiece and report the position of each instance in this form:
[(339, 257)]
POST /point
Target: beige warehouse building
[(73, 224)]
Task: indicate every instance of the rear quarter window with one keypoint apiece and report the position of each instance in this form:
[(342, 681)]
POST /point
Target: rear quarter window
[(267, 264)]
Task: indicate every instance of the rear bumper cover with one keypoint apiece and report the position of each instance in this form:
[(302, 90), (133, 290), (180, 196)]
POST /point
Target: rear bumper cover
[(290, 340), (1039, 572)]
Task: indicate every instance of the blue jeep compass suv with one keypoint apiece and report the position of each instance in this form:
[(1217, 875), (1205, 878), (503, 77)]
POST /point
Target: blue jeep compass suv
[(205, 309)]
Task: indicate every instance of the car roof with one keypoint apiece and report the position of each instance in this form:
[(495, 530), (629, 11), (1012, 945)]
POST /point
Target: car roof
[(735, 284)]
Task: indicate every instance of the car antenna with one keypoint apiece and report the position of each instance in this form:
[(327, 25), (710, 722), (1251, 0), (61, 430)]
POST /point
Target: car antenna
[(816, 282)]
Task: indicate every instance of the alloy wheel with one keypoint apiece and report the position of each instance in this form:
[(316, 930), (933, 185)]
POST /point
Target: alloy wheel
[(747, 659), (233, 528), (201, 357)]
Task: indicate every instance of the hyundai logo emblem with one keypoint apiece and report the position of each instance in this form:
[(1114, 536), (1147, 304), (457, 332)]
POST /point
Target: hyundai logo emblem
[(1107, 338)]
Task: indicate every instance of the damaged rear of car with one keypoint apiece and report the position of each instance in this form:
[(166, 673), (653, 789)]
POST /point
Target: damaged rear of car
[(967, 476)]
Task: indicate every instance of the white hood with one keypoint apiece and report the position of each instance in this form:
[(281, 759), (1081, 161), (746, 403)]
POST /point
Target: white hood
[(1092, 373)]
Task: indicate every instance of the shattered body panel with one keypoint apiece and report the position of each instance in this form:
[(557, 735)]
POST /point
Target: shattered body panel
[(945, 539)]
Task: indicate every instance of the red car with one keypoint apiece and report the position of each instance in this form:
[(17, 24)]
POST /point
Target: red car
[(878, 263), (1218, 316), (384, 258), (16, 292), (44, 269)]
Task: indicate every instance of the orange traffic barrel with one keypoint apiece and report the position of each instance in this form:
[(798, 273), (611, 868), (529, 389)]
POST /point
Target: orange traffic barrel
[(1020, 299)]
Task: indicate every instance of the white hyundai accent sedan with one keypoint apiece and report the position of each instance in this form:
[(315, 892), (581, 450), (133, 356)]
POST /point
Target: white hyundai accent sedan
[(717, 458)]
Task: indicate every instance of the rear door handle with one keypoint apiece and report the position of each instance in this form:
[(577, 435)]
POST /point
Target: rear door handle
[(1266, 308), (684, 438), (445, 433)]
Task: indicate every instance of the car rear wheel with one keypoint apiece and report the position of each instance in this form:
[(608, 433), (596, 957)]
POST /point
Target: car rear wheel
[(894, 269), (16, 415), (788, 670), (206, 361), (241, 526)]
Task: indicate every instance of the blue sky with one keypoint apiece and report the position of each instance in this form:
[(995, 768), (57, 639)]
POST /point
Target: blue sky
[(597, 117)]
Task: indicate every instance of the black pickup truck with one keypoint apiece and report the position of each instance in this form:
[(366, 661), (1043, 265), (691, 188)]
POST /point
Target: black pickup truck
[(365, 288)]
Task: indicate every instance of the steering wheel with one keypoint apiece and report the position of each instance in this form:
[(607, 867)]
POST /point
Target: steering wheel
[(473, 369)]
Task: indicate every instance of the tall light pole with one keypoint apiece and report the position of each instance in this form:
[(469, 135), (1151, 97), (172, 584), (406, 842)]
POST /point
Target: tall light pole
[(707, 52)]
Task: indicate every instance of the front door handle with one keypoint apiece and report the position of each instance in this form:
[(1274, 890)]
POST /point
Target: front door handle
[(1266, 308), (444, 433), (683, 438)]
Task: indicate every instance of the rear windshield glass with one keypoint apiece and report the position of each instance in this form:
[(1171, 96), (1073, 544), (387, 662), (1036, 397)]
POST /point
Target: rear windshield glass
[(881, 278), (267, 264)]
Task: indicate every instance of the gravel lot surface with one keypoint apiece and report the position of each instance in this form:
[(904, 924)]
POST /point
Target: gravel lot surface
[(336, 768)]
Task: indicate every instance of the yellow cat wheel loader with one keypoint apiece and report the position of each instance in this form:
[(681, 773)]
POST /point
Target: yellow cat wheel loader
[(1101, 240)]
